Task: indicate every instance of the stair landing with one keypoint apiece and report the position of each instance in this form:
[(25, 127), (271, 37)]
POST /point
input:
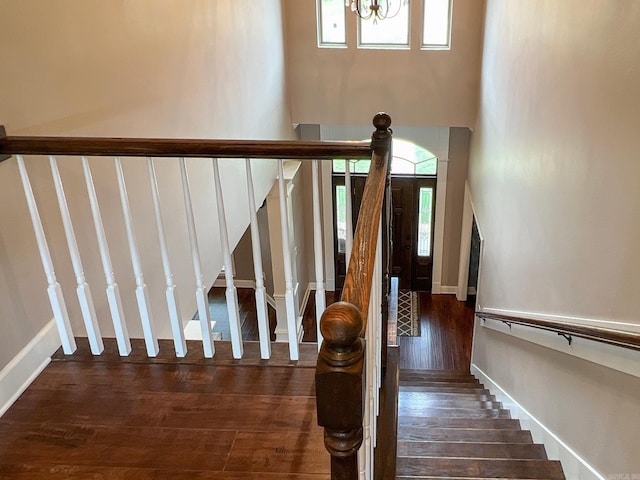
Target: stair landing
[(133, 418)]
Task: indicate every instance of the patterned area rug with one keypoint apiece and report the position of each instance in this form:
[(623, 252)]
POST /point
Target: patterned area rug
[(408, 320)]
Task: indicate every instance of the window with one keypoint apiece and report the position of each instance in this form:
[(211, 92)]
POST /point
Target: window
[(341, 215), (408, 159), (331, 23), (392, 32), (425, 199), (436, 25)]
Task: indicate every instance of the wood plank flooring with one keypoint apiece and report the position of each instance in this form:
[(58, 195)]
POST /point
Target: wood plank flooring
[(446, 333), (119, 418)]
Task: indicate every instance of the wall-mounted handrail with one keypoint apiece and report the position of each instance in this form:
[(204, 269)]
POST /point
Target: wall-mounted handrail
[(618, 338), (164, 147), (341, 386)]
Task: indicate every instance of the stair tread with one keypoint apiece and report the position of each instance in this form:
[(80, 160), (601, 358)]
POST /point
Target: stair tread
[(463, 435), (441, 383), (444, 422), (449, 395), (479, 468), (437, 378), (454, 412), (418, 387), (471, 450), (419, 399), (426, 372)]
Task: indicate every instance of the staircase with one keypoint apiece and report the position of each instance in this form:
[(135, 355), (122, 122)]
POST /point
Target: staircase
[(449, 426)]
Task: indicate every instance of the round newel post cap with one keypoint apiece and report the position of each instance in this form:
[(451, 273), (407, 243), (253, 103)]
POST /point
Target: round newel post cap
[(382, 121), (341, 325)]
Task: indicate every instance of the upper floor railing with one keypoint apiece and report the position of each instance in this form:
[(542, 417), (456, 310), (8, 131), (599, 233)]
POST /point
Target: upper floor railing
[(132, 187)]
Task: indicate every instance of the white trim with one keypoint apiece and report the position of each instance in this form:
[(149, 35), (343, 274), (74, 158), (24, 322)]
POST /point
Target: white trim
[(271, 301), (574, 466), (465, 244), (437, 289), (616, 358), (23, 369), (305, 298), (438, 234)]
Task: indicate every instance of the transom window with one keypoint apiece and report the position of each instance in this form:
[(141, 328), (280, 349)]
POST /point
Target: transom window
[(391, 33), (408, 159)]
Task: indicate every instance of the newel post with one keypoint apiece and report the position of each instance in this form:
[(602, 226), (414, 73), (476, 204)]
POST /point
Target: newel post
[(339, 387)]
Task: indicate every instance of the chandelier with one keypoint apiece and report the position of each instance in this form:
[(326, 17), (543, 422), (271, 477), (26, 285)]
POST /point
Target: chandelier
[(376, 9)]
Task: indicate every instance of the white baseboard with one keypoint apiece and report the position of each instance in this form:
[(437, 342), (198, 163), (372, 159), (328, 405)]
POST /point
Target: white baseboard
[(23, 369), (437, 289), (574, 466)]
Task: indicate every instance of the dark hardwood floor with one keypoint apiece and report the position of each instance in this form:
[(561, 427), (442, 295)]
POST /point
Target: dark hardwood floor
[(446, 332), (446, 327), (247, 310), (119, 418)]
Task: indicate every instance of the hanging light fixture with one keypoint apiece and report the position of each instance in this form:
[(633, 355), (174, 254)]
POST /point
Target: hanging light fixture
[(376, 9)]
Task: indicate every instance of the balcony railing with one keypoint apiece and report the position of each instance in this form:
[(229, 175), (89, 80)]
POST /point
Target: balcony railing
[(125, 204)]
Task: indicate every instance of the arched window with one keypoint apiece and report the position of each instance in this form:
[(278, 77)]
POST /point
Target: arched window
[(408, 159)]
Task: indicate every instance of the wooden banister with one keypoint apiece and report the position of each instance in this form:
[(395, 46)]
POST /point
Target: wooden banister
[(339, 371), (628, 340), (163, 147)]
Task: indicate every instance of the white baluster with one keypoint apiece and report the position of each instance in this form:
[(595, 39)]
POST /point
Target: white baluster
[(201, 290), (261, 295), (142, 297), (348, 245), (83, 291), (113, 294), (179, 342), (54, 291), (231, 292), (288, 274), (321, 301)]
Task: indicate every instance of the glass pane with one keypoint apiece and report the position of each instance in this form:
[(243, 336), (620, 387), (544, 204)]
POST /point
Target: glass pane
[(338, 166), (360, 166), (425, 221), (436, 22), (428, 167), (331, 23), (341, 217), (388, 32)]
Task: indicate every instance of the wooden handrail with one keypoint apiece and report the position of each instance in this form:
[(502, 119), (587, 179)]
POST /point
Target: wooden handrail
[(340, 367), (628, 340), (164, 147)]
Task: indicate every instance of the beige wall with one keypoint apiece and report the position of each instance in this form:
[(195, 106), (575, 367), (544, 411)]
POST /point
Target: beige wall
[(554, 179), (347, 86), (130, 68)]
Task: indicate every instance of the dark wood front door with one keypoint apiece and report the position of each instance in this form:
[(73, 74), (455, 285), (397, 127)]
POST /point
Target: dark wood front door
[(413, 207), (412, 236)]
